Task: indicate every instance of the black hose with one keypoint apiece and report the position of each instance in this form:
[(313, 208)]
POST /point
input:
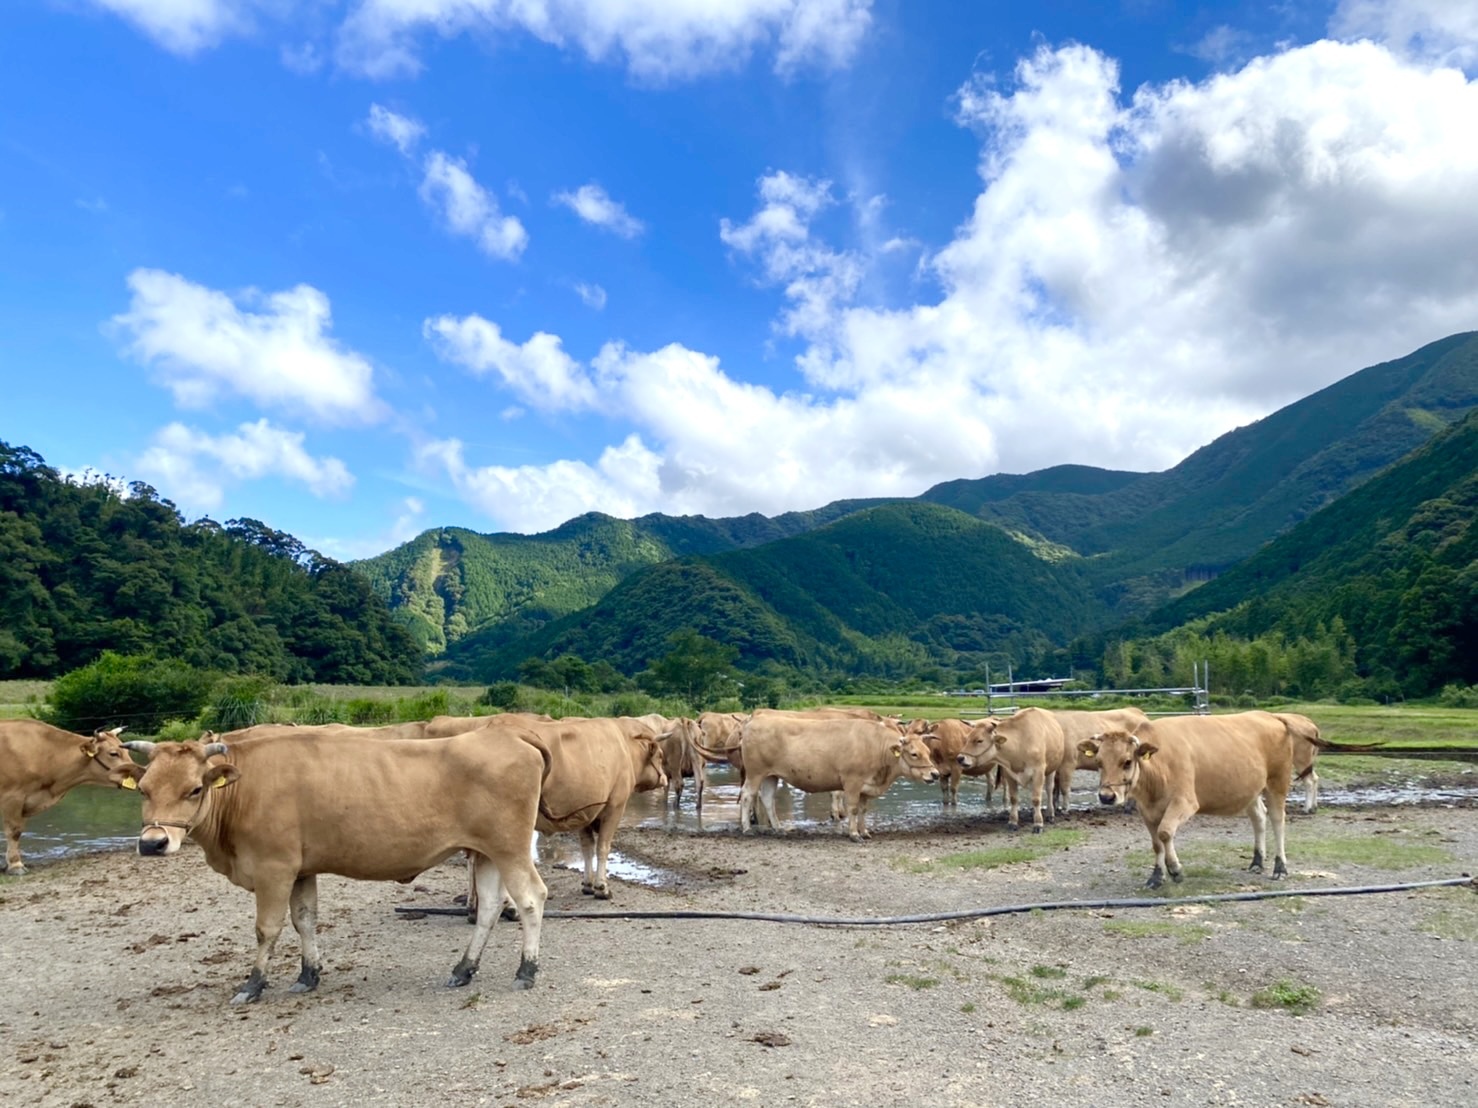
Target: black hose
[(976, 913)]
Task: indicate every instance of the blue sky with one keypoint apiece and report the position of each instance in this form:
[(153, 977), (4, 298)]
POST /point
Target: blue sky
[(359, 269)]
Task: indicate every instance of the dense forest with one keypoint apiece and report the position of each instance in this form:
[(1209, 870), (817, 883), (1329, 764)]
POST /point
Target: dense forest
[(85, 568)]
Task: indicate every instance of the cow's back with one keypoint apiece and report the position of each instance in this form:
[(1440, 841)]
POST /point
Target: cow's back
[(1221, 760), (814, 755)]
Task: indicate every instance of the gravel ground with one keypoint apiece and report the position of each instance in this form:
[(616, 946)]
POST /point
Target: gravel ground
[(117, 971)]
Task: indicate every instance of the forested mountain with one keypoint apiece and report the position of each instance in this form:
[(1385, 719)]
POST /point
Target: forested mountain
[(1395, 563), (449, 581), (1139, 538), (84, 569), (889, 590)]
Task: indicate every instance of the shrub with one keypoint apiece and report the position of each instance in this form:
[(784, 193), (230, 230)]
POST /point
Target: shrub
[(238, 702), (137, 690), (364, 712), (502, 695), (632, 704), (424, 706), (1458, 696)]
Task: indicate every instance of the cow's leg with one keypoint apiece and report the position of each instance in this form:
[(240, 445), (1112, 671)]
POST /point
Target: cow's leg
[(1157, 875), (856, 817), (1038, 786), (1311, 791), (587, 859), (1277, 812), (1013, 809), (303, 907), (1176, 813), (838, 805), (700, 780), (273, 891), (1257, 812), (489, 900), (527, 889), (15, 823), (605, 835), (746, 806), (767, 800), (862, 804)]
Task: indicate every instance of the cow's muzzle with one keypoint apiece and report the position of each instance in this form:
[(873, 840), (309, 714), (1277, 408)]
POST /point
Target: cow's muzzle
[(1108, 798)]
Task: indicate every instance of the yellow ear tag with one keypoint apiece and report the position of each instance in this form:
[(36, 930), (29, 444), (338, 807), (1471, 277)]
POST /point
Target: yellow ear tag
[(218, 783), (128, 783), (897, 752)]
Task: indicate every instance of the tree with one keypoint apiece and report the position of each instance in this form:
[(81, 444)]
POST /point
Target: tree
[(692, 666)]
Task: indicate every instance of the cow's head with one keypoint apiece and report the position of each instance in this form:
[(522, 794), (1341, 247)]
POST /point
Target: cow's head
[(108, 762), (981, 744), (179, 786), (916, 759), (651, 768), (1119, 757)]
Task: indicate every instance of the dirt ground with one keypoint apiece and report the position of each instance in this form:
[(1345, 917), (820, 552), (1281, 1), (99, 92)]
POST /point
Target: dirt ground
[(117, 970)]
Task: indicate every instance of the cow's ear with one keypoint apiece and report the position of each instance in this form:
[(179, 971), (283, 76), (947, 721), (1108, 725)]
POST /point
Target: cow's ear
[(218, 777), (998, 738), (896, 749), (1088, 748), (126, 776), (1144, 750), (89, 747)]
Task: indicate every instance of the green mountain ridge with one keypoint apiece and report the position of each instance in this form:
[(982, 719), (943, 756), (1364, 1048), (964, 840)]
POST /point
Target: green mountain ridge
[(1128, 541)]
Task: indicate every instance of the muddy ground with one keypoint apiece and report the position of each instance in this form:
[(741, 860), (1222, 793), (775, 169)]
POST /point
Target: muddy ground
[(117, 970)]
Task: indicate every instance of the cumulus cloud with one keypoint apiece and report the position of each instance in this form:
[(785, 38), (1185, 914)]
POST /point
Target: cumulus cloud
[(539, 372), (657, 40), (185, 26), (273, 348), (591, 204), (1138, 274), (1445, 31), (470, 210), (194, 468), (401, 131)]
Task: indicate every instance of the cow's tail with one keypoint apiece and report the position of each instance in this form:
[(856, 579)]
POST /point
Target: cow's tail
[(1308, 731), (711, 755)]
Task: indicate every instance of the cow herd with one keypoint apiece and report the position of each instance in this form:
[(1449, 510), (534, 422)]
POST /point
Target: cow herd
[(273, 807)]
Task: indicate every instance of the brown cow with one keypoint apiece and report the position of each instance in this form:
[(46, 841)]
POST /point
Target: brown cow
[(1220, 765), (595, 766), (945, 739), (272, 813), (1077, 726), (441, 727), (40, 764), (1029, 748), (858, 758), (1307, 743), (681, 759), (721, 732)]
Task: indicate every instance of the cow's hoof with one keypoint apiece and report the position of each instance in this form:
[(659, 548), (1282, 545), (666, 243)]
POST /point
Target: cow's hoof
[(307, 980), (1036, 829), (1280, 871), (602, 893), (855, 838), (252, 990), (586, 890), (17, 869), (1177, 875), (509, 913), (1157, 878), (524, 978), (460, 898), (462, 974)]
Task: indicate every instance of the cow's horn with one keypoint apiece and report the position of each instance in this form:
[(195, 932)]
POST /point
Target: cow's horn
[(140, 746), (212, 749)]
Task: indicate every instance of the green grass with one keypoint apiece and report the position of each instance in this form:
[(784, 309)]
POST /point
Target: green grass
[(1169, 992), (1028, 993), (1187, 933), (911, 981), (1427, 727), (1048, 973), (1384, 769), (1026, 849), (1456, 919), (1143, 1032), (1290, 996), (1376, 851)]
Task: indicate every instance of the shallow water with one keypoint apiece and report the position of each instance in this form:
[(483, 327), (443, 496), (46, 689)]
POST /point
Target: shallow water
[(90, 819)]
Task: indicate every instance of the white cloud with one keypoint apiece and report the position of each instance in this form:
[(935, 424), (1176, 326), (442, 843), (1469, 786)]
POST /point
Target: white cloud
[(817, 279), (470, 210), (591, 204), (592, 295), (539, 372), (400, 131), (658, 40), (1137, 276), (194, 468), (271, 348), (185, 26), (1444, 31)]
